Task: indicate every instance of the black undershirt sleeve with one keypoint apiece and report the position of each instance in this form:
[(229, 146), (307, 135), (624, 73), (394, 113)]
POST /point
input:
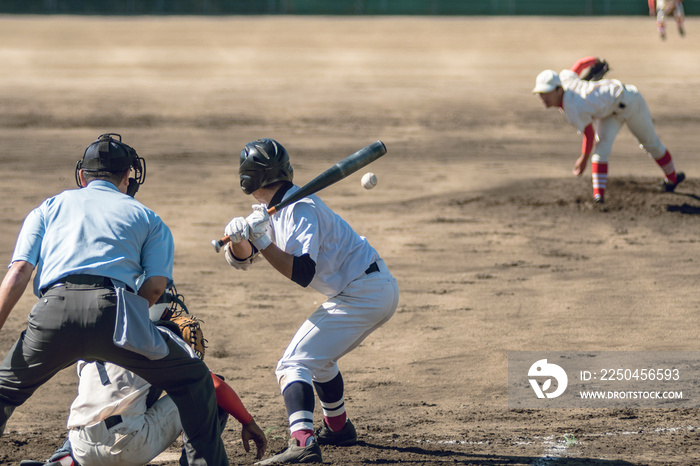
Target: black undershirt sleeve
[(303, 270)]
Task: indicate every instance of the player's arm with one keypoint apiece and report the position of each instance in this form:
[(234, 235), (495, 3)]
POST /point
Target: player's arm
[(228, 400), (586, 148), (299, 269), (582, 64), (153, 288), (13, 286), (239, 252)]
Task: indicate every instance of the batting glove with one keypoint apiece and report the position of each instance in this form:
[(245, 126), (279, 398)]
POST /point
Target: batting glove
[(258, 223), (237, 230)]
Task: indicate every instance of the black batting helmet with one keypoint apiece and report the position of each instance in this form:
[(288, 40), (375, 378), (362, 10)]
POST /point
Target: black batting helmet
[(264, 162), (108, 154)]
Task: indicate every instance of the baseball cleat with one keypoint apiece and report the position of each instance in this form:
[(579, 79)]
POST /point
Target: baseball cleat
[(669, 187), (345, 437), (598, 199), (296, 454)]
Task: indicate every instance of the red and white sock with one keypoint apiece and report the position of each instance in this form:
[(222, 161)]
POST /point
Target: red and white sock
[(301, 427), (600, 179), (334, 414), (666, 164)]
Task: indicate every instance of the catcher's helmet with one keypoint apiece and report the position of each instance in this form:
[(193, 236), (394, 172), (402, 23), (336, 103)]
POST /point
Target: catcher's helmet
[(263, 162), (108, 154)]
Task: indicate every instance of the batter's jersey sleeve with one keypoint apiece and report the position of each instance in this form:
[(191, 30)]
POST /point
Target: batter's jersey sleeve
[(310, 227)]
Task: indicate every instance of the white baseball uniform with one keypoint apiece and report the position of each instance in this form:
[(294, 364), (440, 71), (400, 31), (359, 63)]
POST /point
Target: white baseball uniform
[(359, 300), (608, 105), (106, 390), (666, 8)]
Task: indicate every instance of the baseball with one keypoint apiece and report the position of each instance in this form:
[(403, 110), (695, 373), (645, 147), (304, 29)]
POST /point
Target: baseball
[(369, 180)]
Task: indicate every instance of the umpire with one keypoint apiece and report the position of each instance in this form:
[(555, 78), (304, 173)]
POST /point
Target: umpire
[(89, 247)]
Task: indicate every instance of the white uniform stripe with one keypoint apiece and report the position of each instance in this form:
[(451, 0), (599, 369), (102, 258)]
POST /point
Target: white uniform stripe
[(300, 415), (599, 180), (334, 405), (301, 420), (334, 412)]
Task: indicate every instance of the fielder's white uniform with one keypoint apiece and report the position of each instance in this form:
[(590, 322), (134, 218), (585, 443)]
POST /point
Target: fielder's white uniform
[(357, 303), (609, 105), (666, 8), (107, 390)]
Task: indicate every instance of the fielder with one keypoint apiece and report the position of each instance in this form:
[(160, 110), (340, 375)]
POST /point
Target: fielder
[(120, 419), (598, 109), (311, 245), (663, 8), (89, 246)]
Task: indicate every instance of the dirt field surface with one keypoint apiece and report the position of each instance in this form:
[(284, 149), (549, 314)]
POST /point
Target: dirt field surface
[(497, 247)]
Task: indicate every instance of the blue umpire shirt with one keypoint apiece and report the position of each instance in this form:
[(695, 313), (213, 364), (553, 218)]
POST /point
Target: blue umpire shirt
[(95, 230)]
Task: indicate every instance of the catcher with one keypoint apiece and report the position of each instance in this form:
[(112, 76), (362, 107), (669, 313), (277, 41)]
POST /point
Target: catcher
[(118, 418), (599, 108)]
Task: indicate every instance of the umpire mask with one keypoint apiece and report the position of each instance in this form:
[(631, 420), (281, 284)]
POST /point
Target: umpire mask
[(110, 154)]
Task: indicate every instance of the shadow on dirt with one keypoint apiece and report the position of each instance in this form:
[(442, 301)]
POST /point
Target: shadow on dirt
[(426, 456)]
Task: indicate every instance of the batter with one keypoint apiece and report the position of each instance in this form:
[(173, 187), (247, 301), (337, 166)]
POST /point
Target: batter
[(311, 245)]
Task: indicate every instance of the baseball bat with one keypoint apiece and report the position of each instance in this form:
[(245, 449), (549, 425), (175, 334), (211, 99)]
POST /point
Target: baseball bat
[(337, 172)]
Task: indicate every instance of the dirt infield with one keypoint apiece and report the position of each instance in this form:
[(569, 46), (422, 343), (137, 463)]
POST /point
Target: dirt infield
[(495, 244)]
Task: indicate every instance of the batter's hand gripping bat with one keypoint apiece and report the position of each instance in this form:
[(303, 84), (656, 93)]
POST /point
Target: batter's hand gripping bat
[(337, 172)]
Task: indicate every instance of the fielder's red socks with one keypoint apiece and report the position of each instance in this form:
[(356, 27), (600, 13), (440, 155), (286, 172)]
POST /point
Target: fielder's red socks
[(669, 169), (333, 402), (299, 400), (600, 179)]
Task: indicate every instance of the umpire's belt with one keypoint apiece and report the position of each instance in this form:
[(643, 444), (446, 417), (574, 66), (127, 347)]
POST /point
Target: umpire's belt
[(81, 279)]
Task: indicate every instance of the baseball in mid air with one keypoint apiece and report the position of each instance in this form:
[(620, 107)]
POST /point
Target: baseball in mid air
[(369, 180)]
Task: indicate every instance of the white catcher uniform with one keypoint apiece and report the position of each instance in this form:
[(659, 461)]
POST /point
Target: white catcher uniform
[(106, 390), (357, 302), (609, 105)]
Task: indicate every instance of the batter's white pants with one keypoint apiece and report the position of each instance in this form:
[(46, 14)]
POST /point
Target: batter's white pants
[(337, 327), (133, 442), (637, 117)]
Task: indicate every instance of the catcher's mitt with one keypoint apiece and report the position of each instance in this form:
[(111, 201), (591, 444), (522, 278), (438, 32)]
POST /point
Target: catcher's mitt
[(596, 71), (170, 312), (191, 331)]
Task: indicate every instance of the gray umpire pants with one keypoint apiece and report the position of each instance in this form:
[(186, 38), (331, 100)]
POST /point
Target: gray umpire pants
[(75, 322)]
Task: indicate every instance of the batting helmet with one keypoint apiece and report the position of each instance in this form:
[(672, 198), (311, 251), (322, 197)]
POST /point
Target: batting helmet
[(108, 154), (263, 162)]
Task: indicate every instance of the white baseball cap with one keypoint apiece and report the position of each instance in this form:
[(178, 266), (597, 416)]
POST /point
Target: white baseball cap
[(546, 81)]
